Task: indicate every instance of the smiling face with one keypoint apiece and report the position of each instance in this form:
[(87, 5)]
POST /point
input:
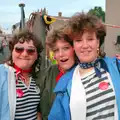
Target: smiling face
[(24, 54), (64, 54), (86, 46)]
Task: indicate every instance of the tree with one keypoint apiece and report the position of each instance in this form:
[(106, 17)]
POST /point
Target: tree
[(98, 11)]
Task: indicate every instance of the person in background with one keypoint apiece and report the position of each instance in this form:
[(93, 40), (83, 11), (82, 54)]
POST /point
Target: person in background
[(62, 46), (20, 72), (4, 49), (90, 90)]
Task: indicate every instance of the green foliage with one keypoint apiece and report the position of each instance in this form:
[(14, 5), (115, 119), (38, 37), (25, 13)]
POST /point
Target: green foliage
[(98, 11)]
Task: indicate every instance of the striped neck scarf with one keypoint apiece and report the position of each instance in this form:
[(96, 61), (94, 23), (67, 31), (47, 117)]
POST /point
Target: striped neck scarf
[(95, 64)]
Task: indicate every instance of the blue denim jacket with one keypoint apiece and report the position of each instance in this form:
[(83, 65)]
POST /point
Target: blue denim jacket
[(4, 106), (61, 110)]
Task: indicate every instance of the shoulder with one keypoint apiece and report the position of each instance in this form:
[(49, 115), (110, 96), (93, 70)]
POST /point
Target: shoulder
[(3, 68), (47, 75), (45, 71), (2, 65), (52, 68), (69, 73), (110, 64), (109, 59)]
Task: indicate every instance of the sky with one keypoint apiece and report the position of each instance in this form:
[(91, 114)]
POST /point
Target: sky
[(10, 11)]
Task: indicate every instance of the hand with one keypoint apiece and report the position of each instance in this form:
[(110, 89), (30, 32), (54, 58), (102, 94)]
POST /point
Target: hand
[(39, 116), (118, 56)]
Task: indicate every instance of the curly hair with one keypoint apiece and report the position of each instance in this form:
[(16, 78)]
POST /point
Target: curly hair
[(27, 36), (81, 22), (57, 34)]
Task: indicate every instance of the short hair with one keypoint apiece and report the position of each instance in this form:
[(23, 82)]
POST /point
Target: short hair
[(57, 34), (27, 36), (81, 22), (85, 21)]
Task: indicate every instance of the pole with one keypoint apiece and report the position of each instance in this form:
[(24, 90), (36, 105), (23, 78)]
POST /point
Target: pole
[(22, 22)]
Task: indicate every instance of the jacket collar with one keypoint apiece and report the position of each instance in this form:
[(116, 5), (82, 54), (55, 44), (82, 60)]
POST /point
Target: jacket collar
[(62, 84)]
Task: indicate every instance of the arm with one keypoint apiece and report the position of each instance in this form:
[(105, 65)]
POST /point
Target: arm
[(58, 109), (47, 83), (39, 116), (118, 56), (4, 105), (40, 81)]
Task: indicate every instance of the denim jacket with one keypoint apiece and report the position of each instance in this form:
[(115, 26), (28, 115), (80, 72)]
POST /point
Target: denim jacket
[(61, 109), (4, 104)]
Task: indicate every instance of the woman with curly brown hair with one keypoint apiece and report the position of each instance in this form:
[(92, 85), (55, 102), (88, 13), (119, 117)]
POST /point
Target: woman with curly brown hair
[(90, 91), (23, 93)]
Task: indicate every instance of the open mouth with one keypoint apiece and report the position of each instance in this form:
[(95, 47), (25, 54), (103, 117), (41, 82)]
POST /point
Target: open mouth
[(64, 60)]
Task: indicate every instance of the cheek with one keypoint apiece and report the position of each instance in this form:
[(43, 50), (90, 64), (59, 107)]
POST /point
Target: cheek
[(77, 51), (14, 56), (71, 53), (77, 46)]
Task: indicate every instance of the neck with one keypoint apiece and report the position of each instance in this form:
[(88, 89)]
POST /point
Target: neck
[(25, 75), (21, 70), (84, 71)]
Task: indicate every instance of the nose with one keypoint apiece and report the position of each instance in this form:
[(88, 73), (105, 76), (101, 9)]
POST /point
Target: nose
[(24, 53), (61, 52), (85, 44)]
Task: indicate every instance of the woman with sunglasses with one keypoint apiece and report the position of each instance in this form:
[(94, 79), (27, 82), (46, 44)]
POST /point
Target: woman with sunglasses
[(89, 91), (23, 93)]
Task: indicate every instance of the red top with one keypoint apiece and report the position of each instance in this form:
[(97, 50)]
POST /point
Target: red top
[(61, 73)]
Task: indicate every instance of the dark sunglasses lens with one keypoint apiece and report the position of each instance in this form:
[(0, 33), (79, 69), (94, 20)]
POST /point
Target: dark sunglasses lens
[(30, 51), (19, 50)]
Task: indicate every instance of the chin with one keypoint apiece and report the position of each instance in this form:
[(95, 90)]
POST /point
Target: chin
[(66, 68), (86, 61), (24, 67)]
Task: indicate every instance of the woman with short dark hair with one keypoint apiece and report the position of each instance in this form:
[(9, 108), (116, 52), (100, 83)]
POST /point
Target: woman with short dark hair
[(23, 93)]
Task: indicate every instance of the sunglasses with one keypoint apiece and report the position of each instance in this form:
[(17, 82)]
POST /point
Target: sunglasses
[(30, 51)]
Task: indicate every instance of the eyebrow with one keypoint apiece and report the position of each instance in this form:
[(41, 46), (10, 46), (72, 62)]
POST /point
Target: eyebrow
[(24, 46), (89, 36), (32, 46)]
